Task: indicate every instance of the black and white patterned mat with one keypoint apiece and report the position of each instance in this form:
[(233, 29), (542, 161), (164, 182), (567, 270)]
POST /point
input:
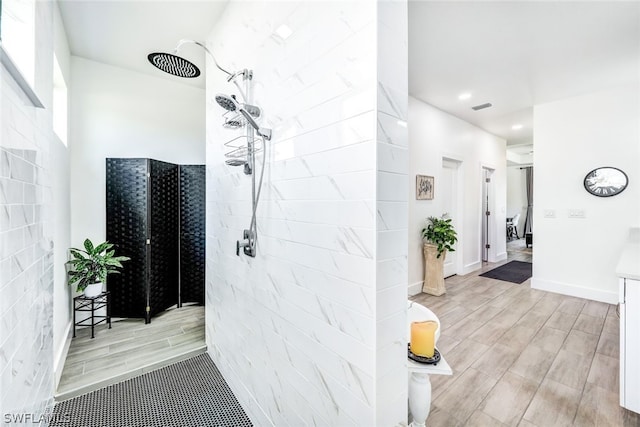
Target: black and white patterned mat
[(188, 393)]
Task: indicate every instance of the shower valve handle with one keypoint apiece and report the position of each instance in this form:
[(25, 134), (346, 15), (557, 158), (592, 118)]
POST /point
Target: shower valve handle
[(243, 245), (240, 245)]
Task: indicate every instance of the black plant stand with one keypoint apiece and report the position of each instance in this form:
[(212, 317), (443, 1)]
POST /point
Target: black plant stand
[(83, 303)]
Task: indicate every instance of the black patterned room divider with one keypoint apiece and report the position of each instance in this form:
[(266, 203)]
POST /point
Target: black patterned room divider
[(152, 221), (164, 262), (192, 233)]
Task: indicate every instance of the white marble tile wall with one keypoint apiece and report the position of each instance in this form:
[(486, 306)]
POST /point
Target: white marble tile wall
[(392, 213), (26, 249), (304, 332)]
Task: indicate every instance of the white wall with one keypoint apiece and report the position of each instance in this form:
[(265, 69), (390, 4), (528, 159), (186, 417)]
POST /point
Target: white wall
[(517, 195), (62, 314), (27, 235), (572, 137), (312, 330), (434, 134), (121, 113)]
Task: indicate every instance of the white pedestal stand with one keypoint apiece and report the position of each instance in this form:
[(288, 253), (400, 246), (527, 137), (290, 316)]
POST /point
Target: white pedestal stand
[(420, 388)]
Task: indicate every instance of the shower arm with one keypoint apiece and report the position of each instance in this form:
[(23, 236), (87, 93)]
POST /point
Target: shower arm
[(246, 74), (185, 41)]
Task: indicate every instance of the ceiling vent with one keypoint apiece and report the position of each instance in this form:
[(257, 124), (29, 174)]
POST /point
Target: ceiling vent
[(481, 106)]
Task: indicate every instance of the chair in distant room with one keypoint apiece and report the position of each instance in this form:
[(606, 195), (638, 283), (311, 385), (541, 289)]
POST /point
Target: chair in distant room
[(512, 227)]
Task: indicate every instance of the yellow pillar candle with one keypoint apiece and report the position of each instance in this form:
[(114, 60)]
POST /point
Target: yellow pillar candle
[(423, 336)]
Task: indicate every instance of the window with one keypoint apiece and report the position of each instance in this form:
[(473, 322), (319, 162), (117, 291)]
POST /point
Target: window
[(18, 44), (17, 32)]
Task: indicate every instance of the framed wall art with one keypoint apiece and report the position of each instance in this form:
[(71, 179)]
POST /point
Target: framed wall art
[(424, 187)]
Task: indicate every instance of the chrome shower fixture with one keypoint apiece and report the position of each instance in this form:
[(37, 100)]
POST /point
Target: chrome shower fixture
[(243, 153), (238, 115), (185, 41), (175, 65), (230, 103)]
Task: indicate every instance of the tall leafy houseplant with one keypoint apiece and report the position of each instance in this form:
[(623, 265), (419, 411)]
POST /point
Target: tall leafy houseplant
[(440, 232), (93, 264)]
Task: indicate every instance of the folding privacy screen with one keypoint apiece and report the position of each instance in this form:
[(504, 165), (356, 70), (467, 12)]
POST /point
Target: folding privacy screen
[(192, 236), (155, 216)]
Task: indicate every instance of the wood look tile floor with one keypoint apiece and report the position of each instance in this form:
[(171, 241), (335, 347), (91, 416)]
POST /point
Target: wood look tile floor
[(524, 357), (130, 348)]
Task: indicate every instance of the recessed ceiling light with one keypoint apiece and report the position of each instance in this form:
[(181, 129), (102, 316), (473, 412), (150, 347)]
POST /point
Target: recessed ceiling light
[(516, 126), (283, 31), (464, 96)]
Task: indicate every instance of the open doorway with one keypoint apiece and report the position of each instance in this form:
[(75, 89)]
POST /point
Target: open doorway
[(520, 213)]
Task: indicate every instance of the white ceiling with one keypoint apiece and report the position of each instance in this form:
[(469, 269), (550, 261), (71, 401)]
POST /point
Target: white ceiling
[(518, 54), (511, 54), (123, 33)]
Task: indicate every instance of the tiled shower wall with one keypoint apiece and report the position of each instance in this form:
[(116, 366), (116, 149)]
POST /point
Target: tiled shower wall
[(298, 330), (392, 194), (26, 248)]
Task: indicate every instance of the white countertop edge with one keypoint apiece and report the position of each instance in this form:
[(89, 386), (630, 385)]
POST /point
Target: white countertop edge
[(629, 262)]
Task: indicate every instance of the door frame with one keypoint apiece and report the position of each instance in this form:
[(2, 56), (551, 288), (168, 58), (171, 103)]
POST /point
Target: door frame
[(492, 235)]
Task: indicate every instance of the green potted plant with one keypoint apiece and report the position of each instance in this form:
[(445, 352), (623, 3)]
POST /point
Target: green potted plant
[(439, 236), (440, 232), (89, 267)]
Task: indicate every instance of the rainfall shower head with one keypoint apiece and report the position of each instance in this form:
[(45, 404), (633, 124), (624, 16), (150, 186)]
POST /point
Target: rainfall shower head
[(173, 64), (178, 66)]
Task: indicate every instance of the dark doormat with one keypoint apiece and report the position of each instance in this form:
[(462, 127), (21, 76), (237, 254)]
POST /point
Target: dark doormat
[(514, 272), (185, 394)]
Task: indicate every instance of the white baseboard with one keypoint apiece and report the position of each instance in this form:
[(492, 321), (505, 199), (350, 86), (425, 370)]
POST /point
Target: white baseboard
[(501, 256), (58, 362), (415, 288), (575, 291), (470, 268)]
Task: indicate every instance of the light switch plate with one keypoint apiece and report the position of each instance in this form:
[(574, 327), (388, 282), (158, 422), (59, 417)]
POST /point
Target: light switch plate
[(577, 213)]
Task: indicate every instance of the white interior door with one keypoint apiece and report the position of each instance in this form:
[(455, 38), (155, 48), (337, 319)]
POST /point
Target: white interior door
[(449, 191)]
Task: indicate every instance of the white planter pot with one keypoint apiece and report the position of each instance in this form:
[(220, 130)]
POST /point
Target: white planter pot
[(93, 290)]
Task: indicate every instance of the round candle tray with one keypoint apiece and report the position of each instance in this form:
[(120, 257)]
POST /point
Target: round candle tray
[(421, 359)]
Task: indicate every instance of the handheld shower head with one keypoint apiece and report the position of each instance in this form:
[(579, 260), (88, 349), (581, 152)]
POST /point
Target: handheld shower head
[(174, 65), (229, 103)]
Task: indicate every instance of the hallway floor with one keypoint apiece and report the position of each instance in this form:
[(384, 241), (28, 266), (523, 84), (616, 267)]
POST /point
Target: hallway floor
[(517, 251), (130, 348), (524, 357)]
